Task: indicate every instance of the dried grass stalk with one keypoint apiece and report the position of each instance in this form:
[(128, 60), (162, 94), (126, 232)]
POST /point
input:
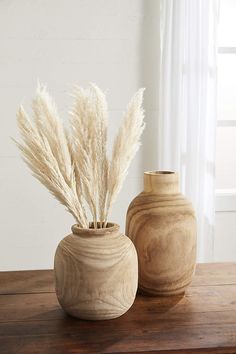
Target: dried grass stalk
[(125, 146), (89, 132), (73, 164), (46, 152)]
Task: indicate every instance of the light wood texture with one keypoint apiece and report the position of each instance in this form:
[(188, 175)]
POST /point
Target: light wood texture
[(202, 321), (96, 272), (161, 223)]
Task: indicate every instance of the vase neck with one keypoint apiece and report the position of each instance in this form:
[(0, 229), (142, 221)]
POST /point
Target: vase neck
[(161, 182)]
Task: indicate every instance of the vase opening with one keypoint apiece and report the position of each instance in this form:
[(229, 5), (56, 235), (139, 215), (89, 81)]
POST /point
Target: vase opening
[(108, 225), (110, 228), (159, 172)]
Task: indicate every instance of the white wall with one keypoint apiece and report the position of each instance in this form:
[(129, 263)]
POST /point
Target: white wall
[(62, 42)]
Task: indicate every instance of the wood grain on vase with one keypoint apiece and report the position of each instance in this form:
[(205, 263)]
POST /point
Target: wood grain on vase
[(162, 225), (96, 273)]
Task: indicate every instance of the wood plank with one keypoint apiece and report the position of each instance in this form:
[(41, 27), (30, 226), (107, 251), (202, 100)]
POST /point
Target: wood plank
[(158, 322), (197, 299), (208, 274), (38, 281), (173, 340), (176, 339), (218, 350), (30, 307), (27, 281)]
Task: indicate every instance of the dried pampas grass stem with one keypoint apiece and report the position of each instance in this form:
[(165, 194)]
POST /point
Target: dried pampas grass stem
[(126, 145)]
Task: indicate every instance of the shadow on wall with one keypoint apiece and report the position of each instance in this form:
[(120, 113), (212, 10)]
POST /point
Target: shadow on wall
[(150, 74)]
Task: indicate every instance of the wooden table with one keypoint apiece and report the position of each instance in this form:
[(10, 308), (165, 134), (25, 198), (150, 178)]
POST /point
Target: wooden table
[(202, 321)]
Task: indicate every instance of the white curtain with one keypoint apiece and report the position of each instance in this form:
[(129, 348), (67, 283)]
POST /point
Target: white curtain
[(187, 103)]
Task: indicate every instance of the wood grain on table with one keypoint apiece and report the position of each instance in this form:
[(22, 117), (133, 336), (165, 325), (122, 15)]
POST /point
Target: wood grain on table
[(201, 321)]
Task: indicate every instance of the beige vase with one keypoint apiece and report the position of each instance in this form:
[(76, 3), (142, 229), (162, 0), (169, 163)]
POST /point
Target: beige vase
[(162, 225), (96, 273)]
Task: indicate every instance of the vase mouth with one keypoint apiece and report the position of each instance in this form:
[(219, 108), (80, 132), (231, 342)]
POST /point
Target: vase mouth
[(156, 173), (110, 228)]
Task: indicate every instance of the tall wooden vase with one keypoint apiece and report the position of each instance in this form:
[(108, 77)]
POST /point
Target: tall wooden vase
[(96, 273), (162, 225)]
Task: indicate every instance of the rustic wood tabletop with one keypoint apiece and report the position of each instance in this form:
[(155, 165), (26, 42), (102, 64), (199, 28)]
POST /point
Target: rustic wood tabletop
[(201, 321)]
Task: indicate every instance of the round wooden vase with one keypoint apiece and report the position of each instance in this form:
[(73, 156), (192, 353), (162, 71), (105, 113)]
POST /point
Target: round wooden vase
[(162, 225), (96, 273)]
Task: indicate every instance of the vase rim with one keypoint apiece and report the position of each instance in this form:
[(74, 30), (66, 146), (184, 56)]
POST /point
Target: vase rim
[(110, 228), (159, 172)]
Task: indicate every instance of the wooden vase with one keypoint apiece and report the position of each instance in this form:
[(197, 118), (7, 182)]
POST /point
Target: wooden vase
[(96, 273), (162, 225)]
